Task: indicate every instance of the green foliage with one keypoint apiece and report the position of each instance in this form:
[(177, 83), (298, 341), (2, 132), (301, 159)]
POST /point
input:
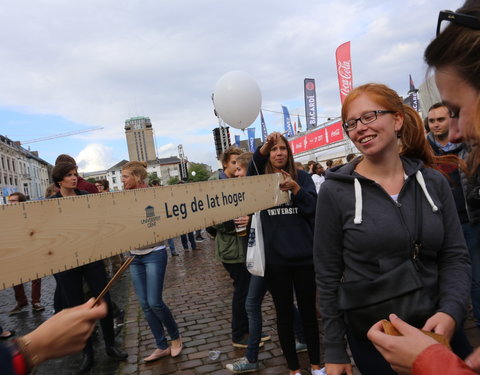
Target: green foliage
[(152, 177), (201, 172), (173, 181), (91, 180)]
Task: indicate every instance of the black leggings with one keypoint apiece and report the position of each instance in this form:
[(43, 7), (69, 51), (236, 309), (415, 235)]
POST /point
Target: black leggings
[(281, 281), (71, 288)]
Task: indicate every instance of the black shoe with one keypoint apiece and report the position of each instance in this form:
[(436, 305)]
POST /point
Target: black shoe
[(7, 334), (116, 353), (87, 362), (117, 330), (94, 336), (119, 317)]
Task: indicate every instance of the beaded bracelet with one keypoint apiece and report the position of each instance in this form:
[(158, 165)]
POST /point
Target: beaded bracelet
[(19, 362), (30, 360)]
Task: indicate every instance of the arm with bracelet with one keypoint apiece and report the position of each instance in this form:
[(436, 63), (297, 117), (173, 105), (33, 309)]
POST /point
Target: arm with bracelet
[(64, 333)]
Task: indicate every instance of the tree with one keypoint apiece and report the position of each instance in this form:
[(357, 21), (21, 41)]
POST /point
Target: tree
[(91, 180), (173, 181), (201, 172), (152, 177)]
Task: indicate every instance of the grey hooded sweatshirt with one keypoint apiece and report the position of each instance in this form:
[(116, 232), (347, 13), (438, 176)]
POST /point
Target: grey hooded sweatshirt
[(362, 232)]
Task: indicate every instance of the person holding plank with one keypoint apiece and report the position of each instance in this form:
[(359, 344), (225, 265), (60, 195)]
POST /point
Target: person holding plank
[(70, 282), (288, 241), (148, 275)]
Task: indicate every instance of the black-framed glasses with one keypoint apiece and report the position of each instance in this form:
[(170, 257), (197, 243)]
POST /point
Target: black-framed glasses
[(458, 18), (365, 119)]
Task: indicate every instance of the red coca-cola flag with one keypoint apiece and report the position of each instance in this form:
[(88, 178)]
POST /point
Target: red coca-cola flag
[(344, 69), (317, 138)]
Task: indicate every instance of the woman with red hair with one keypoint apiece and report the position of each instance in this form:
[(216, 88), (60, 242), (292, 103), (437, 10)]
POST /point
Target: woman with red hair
[(366, 225)]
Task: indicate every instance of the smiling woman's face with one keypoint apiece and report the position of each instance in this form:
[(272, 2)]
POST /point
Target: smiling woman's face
[(377, 136), (463, 100)]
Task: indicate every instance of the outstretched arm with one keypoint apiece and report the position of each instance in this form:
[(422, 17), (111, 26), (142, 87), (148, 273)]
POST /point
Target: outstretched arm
[(64, 333)]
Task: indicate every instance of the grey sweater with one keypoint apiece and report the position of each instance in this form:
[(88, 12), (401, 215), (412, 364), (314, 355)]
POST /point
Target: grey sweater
[(361, 232)]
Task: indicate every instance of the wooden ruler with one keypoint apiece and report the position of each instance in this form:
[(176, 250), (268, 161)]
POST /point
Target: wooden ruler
[(44, 237)]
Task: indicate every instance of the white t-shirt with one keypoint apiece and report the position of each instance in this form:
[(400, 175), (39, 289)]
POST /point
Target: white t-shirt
[(317, 180)]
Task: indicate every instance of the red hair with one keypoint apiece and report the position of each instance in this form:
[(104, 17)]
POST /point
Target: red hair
[(413, 143)]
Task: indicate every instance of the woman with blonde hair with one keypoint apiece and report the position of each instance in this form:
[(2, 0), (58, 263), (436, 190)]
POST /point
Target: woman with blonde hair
[(386, 211), (148, 275)]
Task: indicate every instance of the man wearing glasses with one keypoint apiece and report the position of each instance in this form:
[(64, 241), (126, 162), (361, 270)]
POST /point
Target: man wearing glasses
[(19, 290), (439, 124)]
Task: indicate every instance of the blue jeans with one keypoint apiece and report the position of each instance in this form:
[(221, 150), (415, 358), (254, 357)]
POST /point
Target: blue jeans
[(148, 275), (471, 233), (241, 279), (171, 245), (253, 304)]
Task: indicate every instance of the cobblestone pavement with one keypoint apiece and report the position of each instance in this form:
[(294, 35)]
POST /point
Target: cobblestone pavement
[(198, 291), (28, 320)]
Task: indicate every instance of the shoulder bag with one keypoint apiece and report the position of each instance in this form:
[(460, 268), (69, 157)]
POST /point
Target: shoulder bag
[(398, 291)]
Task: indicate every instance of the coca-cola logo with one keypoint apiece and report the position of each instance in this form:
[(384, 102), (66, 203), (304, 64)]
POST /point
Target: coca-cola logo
[(310, 86), (335, 132), (344, 70)]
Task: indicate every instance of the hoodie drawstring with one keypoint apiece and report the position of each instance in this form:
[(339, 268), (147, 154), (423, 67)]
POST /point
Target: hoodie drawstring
[(422, 184), (359, 202)]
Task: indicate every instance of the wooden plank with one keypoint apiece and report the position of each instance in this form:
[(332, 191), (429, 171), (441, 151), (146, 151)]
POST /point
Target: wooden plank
[(44, 237)]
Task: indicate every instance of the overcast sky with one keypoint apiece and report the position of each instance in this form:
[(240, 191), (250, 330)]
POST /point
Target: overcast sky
[(73, 65)]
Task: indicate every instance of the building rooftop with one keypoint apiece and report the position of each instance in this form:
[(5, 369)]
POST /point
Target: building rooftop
[(95, 173), (138, 118), (169, 160), (29, 154), (118, 165)]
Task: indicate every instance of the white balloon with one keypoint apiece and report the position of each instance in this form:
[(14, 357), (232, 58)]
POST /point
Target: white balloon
[(237, 99)]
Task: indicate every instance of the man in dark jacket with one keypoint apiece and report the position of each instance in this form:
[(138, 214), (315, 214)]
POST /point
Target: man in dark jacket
[(439, 123)]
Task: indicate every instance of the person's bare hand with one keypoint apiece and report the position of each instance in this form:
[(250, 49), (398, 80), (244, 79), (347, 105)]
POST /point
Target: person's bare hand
[(441, 323), (473, 360), (242, 221), (271, 140), (338, 368), (66, 332), (399, 351), (289, 183)]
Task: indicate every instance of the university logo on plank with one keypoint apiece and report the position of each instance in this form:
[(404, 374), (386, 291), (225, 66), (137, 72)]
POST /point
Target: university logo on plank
[(149, 211), (150, 218)]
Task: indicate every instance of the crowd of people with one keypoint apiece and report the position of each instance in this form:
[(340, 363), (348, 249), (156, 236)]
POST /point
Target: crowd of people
[(391, 234)]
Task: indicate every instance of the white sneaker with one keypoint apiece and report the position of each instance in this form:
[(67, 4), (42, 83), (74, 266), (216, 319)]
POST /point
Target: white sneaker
[(319, 372)]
